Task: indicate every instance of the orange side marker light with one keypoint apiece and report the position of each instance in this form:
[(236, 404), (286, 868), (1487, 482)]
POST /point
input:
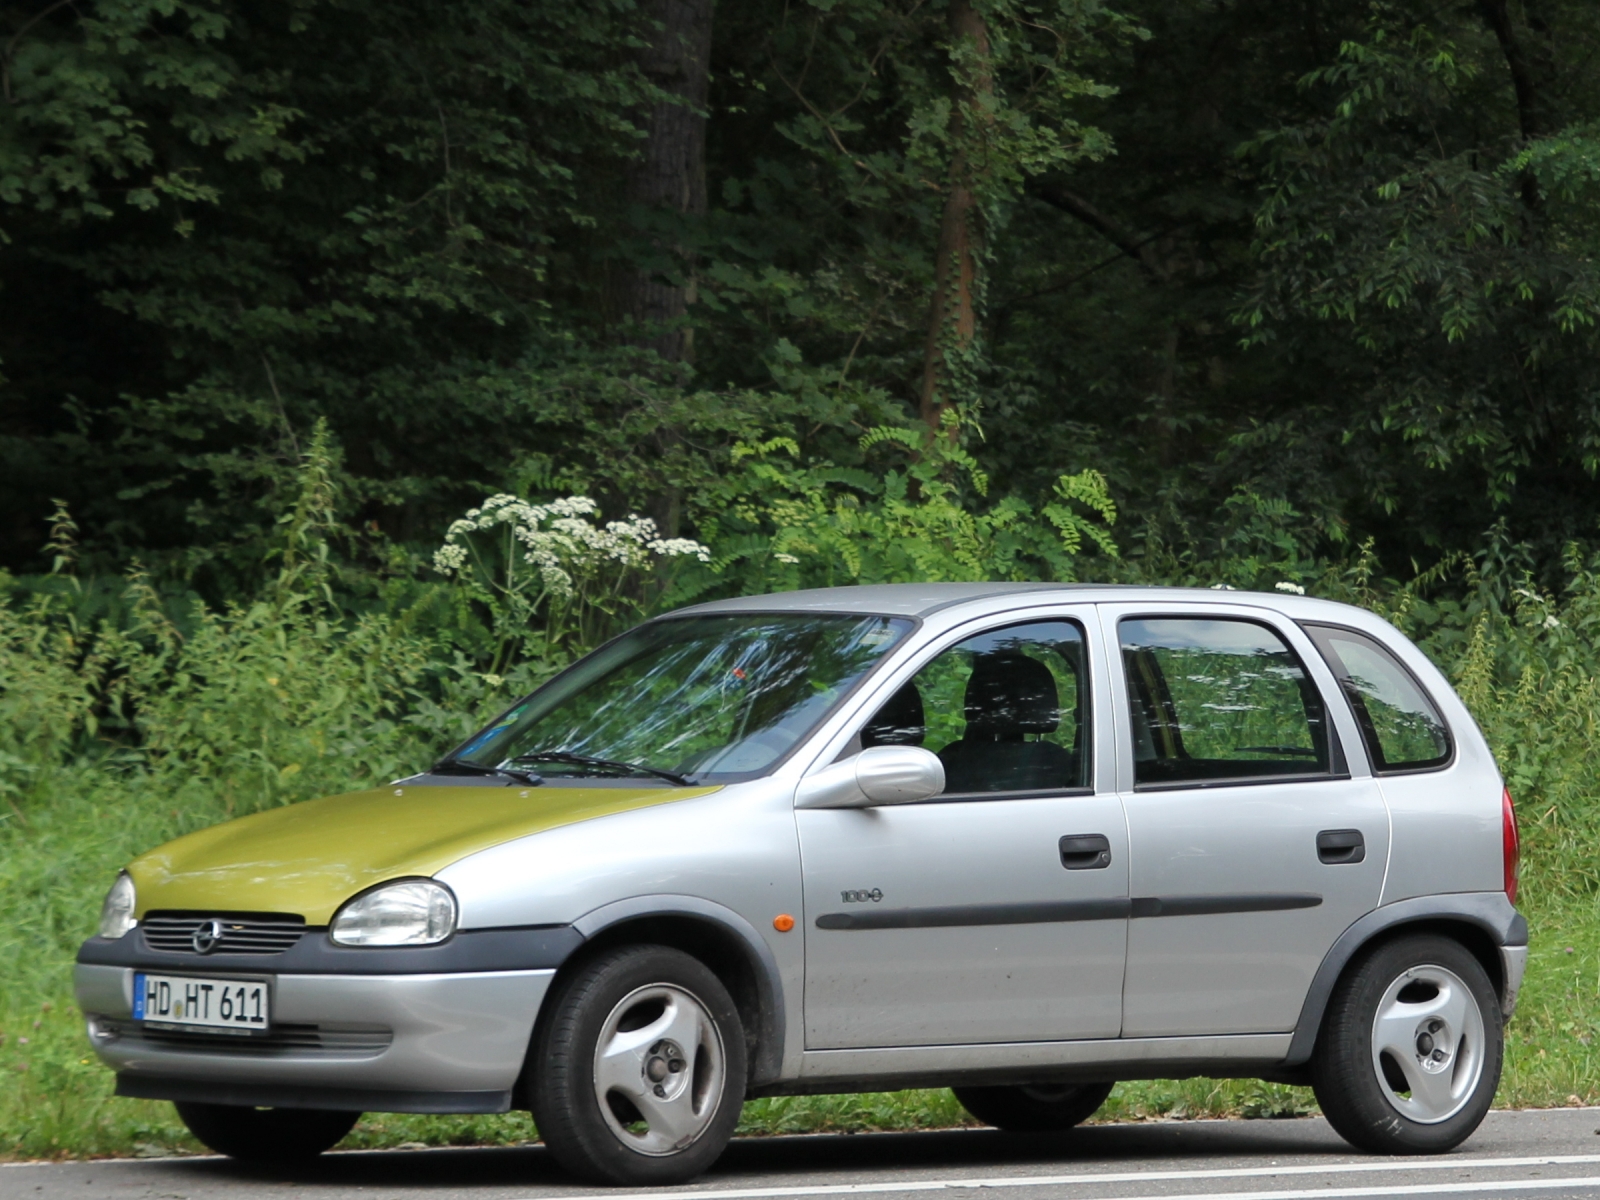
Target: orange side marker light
[(783, 922)]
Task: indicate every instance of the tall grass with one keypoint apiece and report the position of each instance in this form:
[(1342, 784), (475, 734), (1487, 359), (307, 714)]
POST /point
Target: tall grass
[(119, 732)]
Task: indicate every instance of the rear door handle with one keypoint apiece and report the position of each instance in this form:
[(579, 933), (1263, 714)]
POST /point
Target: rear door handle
[(1085, 851), (1339, 846)]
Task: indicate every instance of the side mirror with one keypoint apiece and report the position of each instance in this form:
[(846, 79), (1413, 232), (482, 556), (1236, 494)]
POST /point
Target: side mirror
[(879, 775)]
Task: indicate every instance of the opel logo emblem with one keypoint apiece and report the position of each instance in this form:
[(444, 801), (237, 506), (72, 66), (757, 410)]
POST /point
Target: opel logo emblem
[(207, 935)]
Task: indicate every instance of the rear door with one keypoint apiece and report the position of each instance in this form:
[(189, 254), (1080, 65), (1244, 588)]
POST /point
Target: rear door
[(1256, 833), (996, 912)]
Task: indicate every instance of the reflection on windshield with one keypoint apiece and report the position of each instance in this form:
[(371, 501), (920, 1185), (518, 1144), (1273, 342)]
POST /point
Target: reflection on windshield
[(715, 697)]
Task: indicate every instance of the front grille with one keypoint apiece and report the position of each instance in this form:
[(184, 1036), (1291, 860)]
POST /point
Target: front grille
[(281, 1041), (242, 933)]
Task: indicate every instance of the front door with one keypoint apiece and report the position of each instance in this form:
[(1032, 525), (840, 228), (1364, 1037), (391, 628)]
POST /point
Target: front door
[(1252, 847), (995, 912)]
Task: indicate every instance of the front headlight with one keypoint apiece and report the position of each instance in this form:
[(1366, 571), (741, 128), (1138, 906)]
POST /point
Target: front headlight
[(413, 912), (116, 914)]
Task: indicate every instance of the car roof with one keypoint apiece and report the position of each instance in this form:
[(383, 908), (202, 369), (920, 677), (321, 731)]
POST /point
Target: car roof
[(923, 599)]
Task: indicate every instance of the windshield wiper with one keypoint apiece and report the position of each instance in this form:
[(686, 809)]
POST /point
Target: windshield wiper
[(460, 766), (584, 760)]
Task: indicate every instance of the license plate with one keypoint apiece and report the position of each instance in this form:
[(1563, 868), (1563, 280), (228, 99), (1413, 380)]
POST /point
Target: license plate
[(217, 1005)]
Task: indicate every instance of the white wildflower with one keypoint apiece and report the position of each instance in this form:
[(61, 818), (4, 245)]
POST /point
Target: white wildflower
[(557, 581), (787, 558), (563, 540), (1283, 585), (449, 559), (680, 548), (635, 528), (574, 506)]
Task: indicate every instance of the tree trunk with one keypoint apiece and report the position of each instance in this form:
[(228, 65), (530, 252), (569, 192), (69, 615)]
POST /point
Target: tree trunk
[(953, 316), (1531, 62), (668, 179)]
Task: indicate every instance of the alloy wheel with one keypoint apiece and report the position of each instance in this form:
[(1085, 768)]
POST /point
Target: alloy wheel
[(1428, 1044), (658, 1069)]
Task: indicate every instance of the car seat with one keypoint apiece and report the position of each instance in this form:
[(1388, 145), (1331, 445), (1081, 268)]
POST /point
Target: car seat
[(1009, 697), (900, 722)]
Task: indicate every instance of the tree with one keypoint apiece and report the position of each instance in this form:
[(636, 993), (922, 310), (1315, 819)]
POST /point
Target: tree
[(953, 316), (366, 212), (1438, 216), (666, 180)]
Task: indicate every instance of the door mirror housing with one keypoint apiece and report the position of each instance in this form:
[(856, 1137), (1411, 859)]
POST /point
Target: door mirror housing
[(878, 775)]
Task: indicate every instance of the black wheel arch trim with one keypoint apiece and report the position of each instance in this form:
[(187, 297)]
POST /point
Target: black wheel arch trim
[(766, 1065), (1489, 912)]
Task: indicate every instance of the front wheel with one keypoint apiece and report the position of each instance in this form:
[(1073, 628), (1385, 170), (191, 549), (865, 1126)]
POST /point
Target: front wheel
[(1034, 1107), (266, 1134), (639, 1073), (1409, 1056)]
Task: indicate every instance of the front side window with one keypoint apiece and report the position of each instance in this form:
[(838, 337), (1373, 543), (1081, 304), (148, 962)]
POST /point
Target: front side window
[(1005, 711), (1214, 699), (711, 699), (1402, 729)]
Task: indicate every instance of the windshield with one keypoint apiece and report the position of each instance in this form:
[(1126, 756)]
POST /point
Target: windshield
[(714, 698)]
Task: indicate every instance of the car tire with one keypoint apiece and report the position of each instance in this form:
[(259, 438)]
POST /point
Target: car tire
[(266, 1134), (639, 1072), (1410, 1050), (1034, 1107)]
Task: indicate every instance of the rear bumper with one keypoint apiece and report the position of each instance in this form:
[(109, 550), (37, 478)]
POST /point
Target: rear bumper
[(383, 1043), (1513, 964)]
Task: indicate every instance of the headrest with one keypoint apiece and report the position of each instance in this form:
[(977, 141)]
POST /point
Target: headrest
[(1010, 694), (899, 722)]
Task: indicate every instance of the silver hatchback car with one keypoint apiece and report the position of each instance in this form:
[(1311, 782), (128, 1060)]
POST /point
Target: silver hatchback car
[(1019, 840)]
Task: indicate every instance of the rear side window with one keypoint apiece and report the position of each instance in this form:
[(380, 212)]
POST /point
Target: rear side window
[(1399, 723), (1219, 700)]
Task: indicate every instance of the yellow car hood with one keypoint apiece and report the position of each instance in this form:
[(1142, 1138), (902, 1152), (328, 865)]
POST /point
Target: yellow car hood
[(310, 858)]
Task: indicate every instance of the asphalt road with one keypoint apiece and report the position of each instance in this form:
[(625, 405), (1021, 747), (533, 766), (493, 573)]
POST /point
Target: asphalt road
[(1545, 1155)]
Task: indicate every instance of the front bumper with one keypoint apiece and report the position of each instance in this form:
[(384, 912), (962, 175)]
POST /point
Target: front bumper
[(383, 1043)]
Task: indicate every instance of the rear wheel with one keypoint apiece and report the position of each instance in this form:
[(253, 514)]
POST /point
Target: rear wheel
[(1034, 1107), (1409, 1056), (266, 1134), (639, 1073)]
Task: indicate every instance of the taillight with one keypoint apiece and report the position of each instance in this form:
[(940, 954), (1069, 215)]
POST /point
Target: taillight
[(1512, 843)]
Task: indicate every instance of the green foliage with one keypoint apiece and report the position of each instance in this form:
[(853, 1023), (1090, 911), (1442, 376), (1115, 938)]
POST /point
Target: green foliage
[(1461, 262), (1346, 268), (84, 131), (362, 212), (924, 515)]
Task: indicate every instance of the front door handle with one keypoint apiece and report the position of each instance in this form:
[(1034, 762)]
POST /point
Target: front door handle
[(1337, 847), (1085, 851)]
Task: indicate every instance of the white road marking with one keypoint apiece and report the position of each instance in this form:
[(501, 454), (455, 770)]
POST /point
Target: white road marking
[(1421, 1189), (1108, 1177)]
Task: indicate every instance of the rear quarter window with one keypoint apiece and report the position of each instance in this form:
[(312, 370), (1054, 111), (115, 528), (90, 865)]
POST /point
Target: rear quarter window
[(1399, 721)]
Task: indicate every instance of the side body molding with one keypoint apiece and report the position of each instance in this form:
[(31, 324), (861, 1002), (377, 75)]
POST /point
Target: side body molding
[(1490, 912), (768, 1063)]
